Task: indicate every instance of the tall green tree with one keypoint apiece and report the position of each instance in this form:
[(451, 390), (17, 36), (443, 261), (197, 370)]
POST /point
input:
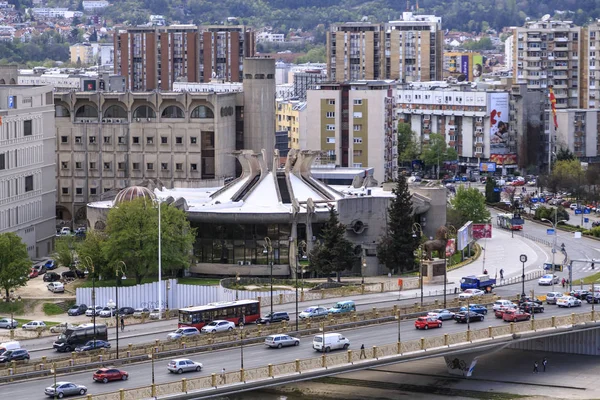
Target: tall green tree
[(65, 251), (132, 237), (491, 195), (397, 246), (407, 146), (469, 205), (437, 151), (14, 262), (334, 253), (91, 254)]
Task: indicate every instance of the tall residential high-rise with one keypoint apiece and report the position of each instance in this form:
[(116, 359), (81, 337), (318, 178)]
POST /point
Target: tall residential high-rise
[(155, 57), (27, 166), (354, 123), (407, 50)]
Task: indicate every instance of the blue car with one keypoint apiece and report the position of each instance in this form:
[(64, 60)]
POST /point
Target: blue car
[(478, 308), (50, 264), (91, 345)]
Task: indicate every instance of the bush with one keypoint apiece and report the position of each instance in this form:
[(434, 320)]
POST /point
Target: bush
[(595, 231)]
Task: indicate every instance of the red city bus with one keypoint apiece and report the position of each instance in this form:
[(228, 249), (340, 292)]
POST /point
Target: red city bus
[(239, 311)]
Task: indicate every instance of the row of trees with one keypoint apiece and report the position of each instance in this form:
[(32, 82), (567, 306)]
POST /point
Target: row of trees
[(433, 154)]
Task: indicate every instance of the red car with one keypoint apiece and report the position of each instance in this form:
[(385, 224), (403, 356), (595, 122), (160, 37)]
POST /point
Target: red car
[(34, 273), (110, 374), (427, 322), (515, 316)]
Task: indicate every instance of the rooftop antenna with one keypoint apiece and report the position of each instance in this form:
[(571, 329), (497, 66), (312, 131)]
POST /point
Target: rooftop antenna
[(407, 5)]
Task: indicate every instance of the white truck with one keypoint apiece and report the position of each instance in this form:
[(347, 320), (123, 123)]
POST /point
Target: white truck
[(330, 341)]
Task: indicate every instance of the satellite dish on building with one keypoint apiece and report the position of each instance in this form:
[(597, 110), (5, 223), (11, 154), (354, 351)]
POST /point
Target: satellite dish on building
[(546, 17)]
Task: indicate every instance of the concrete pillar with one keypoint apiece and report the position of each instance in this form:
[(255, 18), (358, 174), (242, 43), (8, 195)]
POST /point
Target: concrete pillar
[(323, 361), (375, 352), (298, 366), (270, 367), (184, 385)]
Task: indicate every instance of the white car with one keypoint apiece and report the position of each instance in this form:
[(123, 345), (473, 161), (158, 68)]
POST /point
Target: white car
[(547, 280), (56, 287), (33, 325), (107, 312), (218, 326), (469, 293), (312, 312), (62, 327), (568, 301), (155, 313), (183, 332), (500, 304), (90, 311)]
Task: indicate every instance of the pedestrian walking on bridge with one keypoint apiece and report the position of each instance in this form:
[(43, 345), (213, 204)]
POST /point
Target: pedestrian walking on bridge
[(535, 367), (362, 351)]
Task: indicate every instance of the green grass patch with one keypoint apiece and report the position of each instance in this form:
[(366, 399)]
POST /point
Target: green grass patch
[(52, 309), (595, 278), (17, 308), (22, 321), (198, 281)]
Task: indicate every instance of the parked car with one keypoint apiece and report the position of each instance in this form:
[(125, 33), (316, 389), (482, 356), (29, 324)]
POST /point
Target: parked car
[(107, 312), (313, 312), (182, 365), (51, 277), (590, 298), (33, 325), (278, 316), (8, 323), (156, 313), (72, 274), (80, 233), (90, 312), (547, 280), (61, 389), (56, 287), (126, 311), (34, 273), (62, 327), (498, 304), (141, 312), (462, 316), (551, 297), (50, 264), (515, 315), (532, 308), (499, 313), (441, 314), (105, 375), (529, 299), (40, 268), (280, 341), (77, 309), (580, 294), (15, 355), (93, 345), (469, 293), (568, 301), (183, 332), (218, 326), (478, 308), (427, 322)]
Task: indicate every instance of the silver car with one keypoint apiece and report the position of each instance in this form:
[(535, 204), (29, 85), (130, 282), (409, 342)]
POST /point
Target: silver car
[(280, 341), (182, 365), (7, 324), (441, 314), (181, 332), (313, 312), (551, 297), (63, 389), (91, 311)]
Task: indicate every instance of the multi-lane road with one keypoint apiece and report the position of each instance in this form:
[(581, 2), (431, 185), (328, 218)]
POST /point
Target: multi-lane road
[(256, 355)]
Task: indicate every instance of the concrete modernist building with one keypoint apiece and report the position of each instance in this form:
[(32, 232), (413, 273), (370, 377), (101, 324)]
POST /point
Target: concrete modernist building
[(155, 57), (591, 68), (287, 206), (406, 50), (27, 166), (354, 123), (578, 130)]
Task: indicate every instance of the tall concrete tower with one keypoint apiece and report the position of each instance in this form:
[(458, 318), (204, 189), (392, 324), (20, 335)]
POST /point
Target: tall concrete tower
[(259, 106)]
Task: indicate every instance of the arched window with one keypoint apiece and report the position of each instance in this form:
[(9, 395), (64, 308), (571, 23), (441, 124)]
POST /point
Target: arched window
[(172, 112), (202, 112), (115, 111), (144, 112), (2, 82), (86, 111), (61, 111)]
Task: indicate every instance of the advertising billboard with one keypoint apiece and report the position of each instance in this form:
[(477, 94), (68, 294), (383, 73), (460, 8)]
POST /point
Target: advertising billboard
[(503, 159), (487, 167), (464, 65), (482, 231), (464, 236), (450, 247), (89, 85), (499, 132), (477, 67)]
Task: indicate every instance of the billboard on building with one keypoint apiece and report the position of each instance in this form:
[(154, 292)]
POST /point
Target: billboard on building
[(464, 236), (464, 65), (482, 231), (503, 159), (487, 167), (477, 67), (499, 132), (89, 85)]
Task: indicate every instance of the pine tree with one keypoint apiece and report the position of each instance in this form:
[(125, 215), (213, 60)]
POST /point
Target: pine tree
[(334, 253), (397, 246)]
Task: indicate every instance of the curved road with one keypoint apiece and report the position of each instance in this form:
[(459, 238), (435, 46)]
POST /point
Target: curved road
[(254, 356)]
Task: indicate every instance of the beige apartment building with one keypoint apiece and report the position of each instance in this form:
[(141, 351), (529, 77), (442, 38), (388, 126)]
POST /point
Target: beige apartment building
[(354, 123), (407, 50), (291, 116), (578, 131), (27, 166)]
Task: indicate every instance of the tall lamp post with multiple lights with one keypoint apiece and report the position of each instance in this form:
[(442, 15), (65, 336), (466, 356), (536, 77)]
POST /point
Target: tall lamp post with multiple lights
[(451, 233), (269, 249), (90, 267), (523, 259), (159, 204), (417, 233), (119, 270), (554, 224)]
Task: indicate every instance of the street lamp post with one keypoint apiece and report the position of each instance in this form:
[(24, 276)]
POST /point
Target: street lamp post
[(523, 259), (53, 371), (242, 346), (417, 232), (398, 317), (237, 284), (554, 224), (151, 357), (296, 273), (90, 266), (159, 261), (269, 249), (451, 232), (120, 268)]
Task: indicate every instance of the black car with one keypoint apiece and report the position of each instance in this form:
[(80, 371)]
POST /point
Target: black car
[(580, 294), (529, 299), (595, 299), (77, 273), (14, 355), (275, 317), (472, 316), (531, 308), (51, 277), (126, 311), (77, 309)]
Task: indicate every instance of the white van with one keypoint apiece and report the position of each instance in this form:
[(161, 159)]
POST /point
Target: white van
[(333, 341), (9, 346)]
